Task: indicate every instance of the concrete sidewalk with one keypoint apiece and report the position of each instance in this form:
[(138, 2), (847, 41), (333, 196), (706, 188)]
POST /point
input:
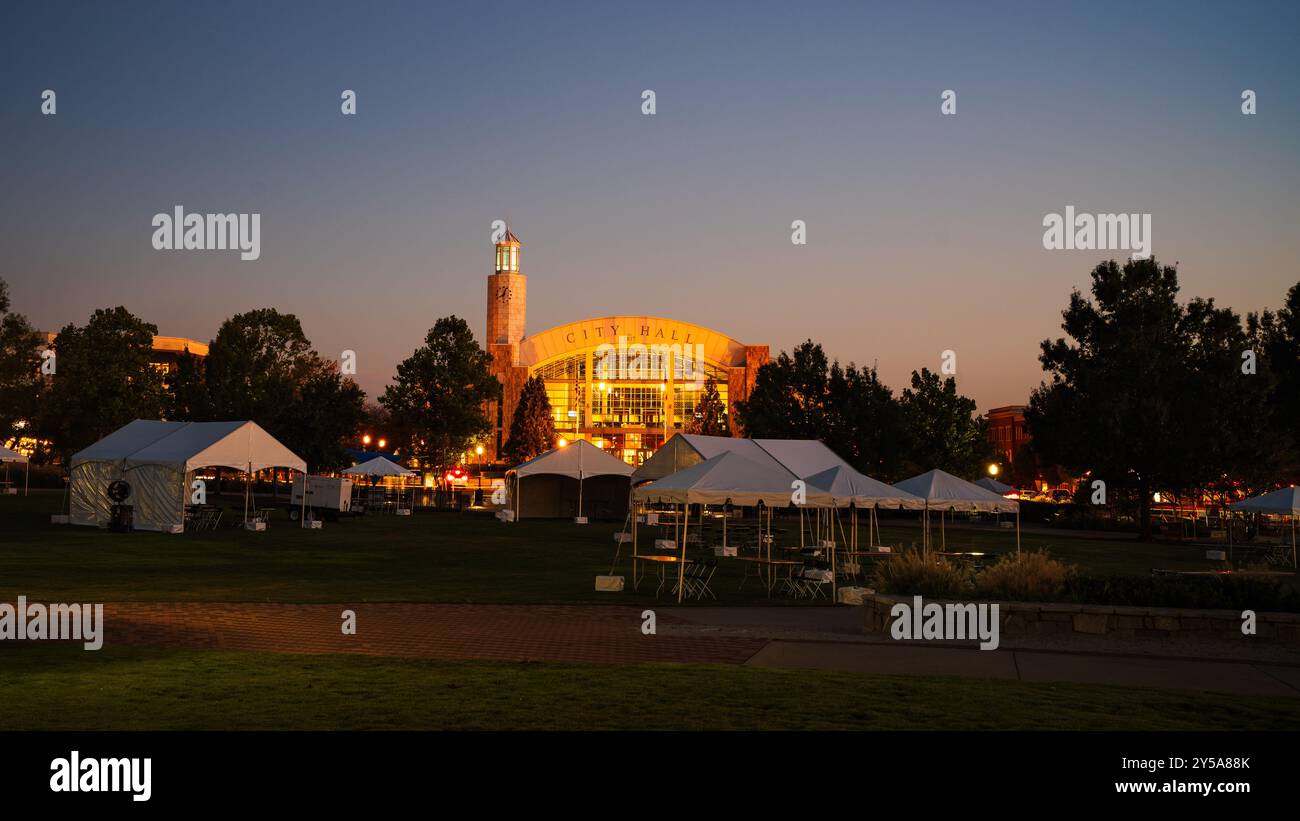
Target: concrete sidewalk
[(832, 638)]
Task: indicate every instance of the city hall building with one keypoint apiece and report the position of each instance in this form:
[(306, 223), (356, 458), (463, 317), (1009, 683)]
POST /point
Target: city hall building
[(623, 383)]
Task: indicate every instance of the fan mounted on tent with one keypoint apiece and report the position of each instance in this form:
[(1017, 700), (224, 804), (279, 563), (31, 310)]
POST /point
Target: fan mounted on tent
[(120, 515)]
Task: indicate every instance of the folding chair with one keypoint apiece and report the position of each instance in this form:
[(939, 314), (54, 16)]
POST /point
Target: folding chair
[(704, 577)]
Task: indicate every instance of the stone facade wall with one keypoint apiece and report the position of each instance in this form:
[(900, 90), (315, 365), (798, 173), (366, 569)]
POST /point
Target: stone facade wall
[(740, 382), (1061, 620)]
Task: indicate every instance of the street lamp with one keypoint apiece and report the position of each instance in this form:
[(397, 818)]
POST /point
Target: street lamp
[(365, 440), (993, 469)]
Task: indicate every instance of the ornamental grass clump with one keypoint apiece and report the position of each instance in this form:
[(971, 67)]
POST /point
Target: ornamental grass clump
[(911, 574), (1024, 577)]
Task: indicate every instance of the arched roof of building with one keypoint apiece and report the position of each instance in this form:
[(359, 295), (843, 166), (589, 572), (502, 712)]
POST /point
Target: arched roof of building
[(646, 330)]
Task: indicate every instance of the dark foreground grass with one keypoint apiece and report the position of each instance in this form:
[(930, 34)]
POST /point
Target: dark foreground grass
[(429, 557), (65, 688)]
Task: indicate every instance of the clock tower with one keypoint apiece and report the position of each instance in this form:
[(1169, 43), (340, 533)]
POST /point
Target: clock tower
[(507, 302), (507, 296)]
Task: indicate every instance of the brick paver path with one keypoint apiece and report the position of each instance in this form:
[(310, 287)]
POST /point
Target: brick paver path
[(444, 631)]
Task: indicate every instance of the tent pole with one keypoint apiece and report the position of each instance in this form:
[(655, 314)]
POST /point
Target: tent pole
[(1017, 530), (681, 565), (27, 478), (302, 517), (247, 477)]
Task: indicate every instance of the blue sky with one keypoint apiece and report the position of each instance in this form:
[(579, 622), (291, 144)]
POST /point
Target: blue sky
[(924, 231)]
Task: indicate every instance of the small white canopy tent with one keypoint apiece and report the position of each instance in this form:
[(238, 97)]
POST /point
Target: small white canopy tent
[(580, 460), (378, 466), (991, 484), (381, 466), (943, 492), (1282, 502), (158, 459), (7, 456)]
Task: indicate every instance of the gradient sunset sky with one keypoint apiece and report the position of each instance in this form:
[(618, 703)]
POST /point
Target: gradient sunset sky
[(924, 231)]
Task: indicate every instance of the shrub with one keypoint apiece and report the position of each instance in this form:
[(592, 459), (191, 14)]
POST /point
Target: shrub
[(911, 574), (1024, 577), (1208, 592)]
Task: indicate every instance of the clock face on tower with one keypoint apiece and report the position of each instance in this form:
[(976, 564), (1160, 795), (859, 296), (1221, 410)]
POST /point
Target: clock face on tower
[(503, 294)]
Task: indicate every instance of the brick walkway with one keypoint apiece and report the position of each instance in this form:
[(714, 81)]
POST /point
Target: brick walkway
[(444, 631)]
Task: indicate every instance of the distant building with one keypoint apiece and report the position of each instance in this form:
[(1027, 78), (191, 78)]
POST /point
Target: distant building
[(623, 383), (1007, 431), (166, 351)]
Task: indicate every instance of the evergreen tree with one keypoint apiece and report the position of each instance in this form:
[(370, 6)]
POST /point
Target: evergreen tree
[(532, 430), (710, 416)]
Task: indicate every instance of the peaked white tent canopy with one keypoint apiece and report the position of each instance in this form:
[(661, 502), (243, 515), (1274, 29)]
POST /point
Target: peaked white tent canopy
[(848, 487), (7, 456), (378, 466), (577, 461), (991, 484), (157, 460), (580, 460), (728, 478), (799, 457), (1283, 502), (943, 492)]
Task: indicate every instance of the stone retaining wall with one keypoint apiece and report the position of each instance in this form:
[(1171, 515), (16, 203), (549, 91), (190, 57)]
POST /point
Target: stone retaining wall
[(1033, 619)]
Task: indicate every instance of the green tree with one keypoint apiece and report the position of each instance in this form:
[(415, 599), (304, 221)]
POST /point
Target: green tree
[(262, 367), (941, 427), (532, 429), (103, 379), (1149, 394), (187, 390), (790, 396), (438, 397), (327, 411), (1275, 337), (20, 362), (256, 365), (872, 434), (710, 416)]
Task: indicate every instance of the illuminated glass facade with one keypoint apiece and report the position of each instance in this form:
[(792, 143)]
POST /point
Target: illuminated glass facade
[(629, 410)]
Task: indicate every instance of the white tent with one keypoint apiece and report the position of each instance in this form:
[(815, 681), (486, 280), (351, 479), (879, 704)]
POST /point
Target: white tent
[(1282, 502), (728, 478), (943, 492), (991, 484), (7, 456), (381, 466), (158, 459), (580, 460), (848, 487), (378, 466), (800, 457)]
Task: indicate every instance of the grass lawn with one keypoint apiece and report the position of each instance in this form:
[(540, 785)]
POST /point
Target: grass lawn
[(429, 557), (51, 687)]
